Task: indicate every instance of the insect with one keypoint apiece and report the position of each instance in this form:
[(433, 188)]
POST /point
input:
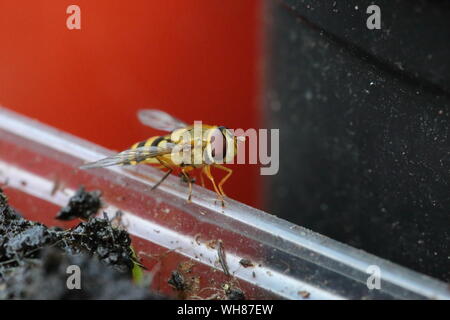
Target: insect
[(186, 147)]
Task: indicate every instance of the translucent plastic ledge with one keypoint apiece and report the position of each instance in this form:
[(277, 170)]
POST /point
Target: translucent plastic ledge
[(39, 172)]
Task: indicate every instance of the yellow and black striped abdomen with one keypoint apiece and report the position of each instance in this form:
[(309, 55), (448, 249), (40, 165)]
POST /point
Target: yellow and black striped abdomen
[(156, 141)]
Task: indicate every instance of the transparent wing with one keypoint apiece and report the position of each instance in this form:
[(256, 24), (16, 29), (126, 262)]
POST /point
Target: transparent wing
[(125, 157), (159, 120)]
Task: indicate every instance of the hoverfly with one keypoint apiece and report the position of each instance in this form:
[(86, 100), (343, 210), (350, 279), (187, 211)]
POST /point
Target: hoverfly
[(159, 150)]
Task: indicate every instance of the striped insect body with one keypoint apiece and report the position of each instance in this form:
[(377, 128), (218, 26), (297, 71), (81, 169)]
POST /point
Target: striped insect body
[(186, 147)]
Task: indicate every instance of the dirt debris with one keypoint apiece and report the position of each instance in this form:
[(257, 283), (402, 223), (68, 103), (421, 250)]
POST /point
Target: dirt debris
[(304, 294), (184, 281), (46, 278), (82, 205), (234, 293), (246, 263), (34, 258)]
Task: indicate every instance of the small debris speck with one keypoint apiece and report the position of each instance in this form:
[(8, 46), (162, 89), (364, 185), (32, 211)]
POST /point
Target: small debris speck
[(304, 294), (246, 263)]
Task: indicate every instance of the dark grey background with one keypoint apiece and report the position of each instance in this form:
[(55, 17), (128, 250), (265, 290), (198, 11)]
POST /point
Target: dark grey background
[(364, 125)]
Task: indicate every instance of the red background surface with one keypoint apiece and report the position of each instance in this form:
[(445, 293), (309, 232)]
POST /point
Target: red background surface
[(197, 59)]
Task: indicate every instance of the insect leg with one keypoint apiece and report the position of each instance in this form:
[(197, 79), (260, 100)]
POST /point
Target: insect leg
[(186, 175), (207, 171), (189, 180), (202, 180), (165, 176), (224, 179)]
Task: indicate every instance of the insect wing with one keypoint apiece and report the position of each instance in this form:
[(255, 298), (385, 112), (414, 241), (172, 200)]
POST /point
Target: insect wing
[(159, 120), (125, 157)]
